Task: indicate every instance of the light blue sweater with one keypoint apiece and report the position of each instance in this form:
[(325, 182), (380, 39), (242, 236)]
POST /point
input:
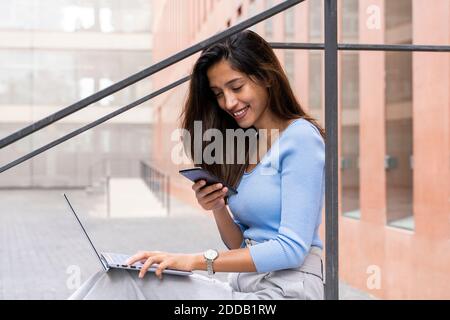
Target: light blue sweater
[(279, 203)]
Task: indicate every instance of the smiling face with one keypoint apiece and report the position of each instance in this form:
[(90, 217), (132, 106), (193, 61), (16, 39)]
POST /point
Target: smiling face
[(242, 98)]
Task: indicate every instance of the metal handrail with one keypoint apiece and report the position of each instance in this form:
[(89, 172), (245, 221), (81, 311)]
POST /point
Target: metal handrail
[(275, 45), (20, 134), (91, 125), (361, 47), (158, 182)]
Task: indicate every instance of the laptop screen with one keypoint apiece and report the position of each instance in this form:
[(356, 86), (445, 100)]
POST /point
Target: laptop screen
[(84, 231)]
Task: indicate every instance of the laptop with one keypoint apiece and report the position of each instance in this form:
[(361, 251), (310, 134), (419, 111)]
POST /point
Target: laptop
[(110, 260)]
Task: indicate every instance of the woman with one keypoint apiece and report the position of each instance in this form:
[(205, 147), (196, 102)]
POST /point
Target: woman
[(272, 229)]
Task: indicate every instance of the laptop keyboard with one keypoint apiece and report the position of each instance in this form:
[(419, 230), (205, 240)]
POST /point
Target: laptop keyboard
[(118, 259)]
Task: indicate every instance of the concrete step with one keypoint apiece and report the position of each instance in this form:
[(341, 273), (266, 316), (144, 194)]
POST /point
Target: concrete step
[(94, 189), (130, 197), (97, 187)]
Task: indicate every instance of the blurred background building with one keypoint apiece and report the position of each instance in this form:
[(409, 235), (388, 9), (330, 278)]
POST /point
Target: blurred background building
[(394, 114), (54, 53), (394, 126)]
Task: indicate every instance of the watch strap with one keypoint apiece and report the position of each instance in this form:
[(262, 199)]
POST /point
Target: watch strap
[(209, 267)]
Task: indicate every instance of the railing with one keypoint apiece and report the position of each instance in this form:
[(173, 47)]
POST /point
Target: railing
[(113, 167), (330, 48), (93, 170), (106, 169), (158, 182)]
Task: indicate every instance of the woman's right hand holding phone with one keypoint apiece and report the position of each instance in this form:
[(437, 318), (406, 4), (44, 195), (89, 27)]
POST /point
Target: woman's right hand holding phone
[(210, 197)]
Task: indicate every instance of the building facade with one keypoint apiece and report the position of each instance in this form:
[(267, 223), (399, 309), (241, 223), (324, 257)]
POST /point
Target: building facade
[(394, 115)]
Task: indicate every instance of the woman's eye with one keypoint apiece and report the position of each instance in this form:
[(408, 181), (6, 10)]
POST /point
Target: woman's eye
[(218, 94), (237, 89)]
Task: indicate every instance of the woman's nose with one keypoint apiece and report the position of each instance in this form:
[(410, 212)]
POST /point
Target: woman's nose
[(230, 101)]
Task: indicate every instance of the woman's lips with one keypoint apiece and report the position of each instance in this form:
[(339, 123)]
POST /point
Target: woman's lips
[(241, 114)]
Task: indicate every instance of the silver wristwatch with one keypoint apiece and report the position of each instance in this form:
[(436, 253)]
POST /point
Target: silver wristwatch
[(210, 255)]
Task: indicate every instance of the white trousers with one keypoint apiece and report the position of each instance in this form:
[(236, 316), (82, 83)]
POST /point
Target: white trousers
[(300, 283)]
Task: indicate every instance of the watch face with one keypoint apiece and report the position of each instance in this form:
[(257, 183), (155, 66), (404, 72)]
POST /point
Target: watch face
[(211, 254)]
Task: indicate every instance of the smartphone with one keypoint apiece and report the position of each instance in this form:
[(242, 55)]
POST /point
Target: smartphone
[(197, 173)]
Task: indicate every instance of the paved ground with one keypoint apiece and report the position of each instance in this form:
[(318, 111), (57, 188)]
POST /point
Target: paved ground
[(41, 245)]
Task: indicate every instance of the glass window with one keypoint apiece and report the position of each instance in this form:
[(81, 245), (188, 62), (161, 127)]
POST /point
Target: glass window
[(106, 141), (251, 12), (315, 14), (315, 80), (289, 24), (399, 120), (268, 24), (77, 15), (350, 21), (399, 133), (16, 77), (349, 149), (18, 14), (398, 21), (53, 77), (398, 76), (350, 80), (398, 13), (289, 65)]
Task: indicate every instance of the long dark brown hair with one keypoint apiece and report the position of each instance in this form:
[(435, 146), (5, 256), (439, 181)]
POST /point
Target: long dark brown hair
[(249, 53)]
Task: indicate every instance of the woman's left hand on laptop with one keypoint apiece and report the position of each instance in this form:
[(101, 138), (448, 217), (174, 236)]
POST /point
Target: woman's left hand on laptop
[(185, 262)]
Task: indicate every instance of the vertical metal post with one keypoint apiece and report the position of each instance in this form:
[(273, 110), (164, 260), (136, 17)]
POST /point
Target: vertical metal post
[(331, 162)]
